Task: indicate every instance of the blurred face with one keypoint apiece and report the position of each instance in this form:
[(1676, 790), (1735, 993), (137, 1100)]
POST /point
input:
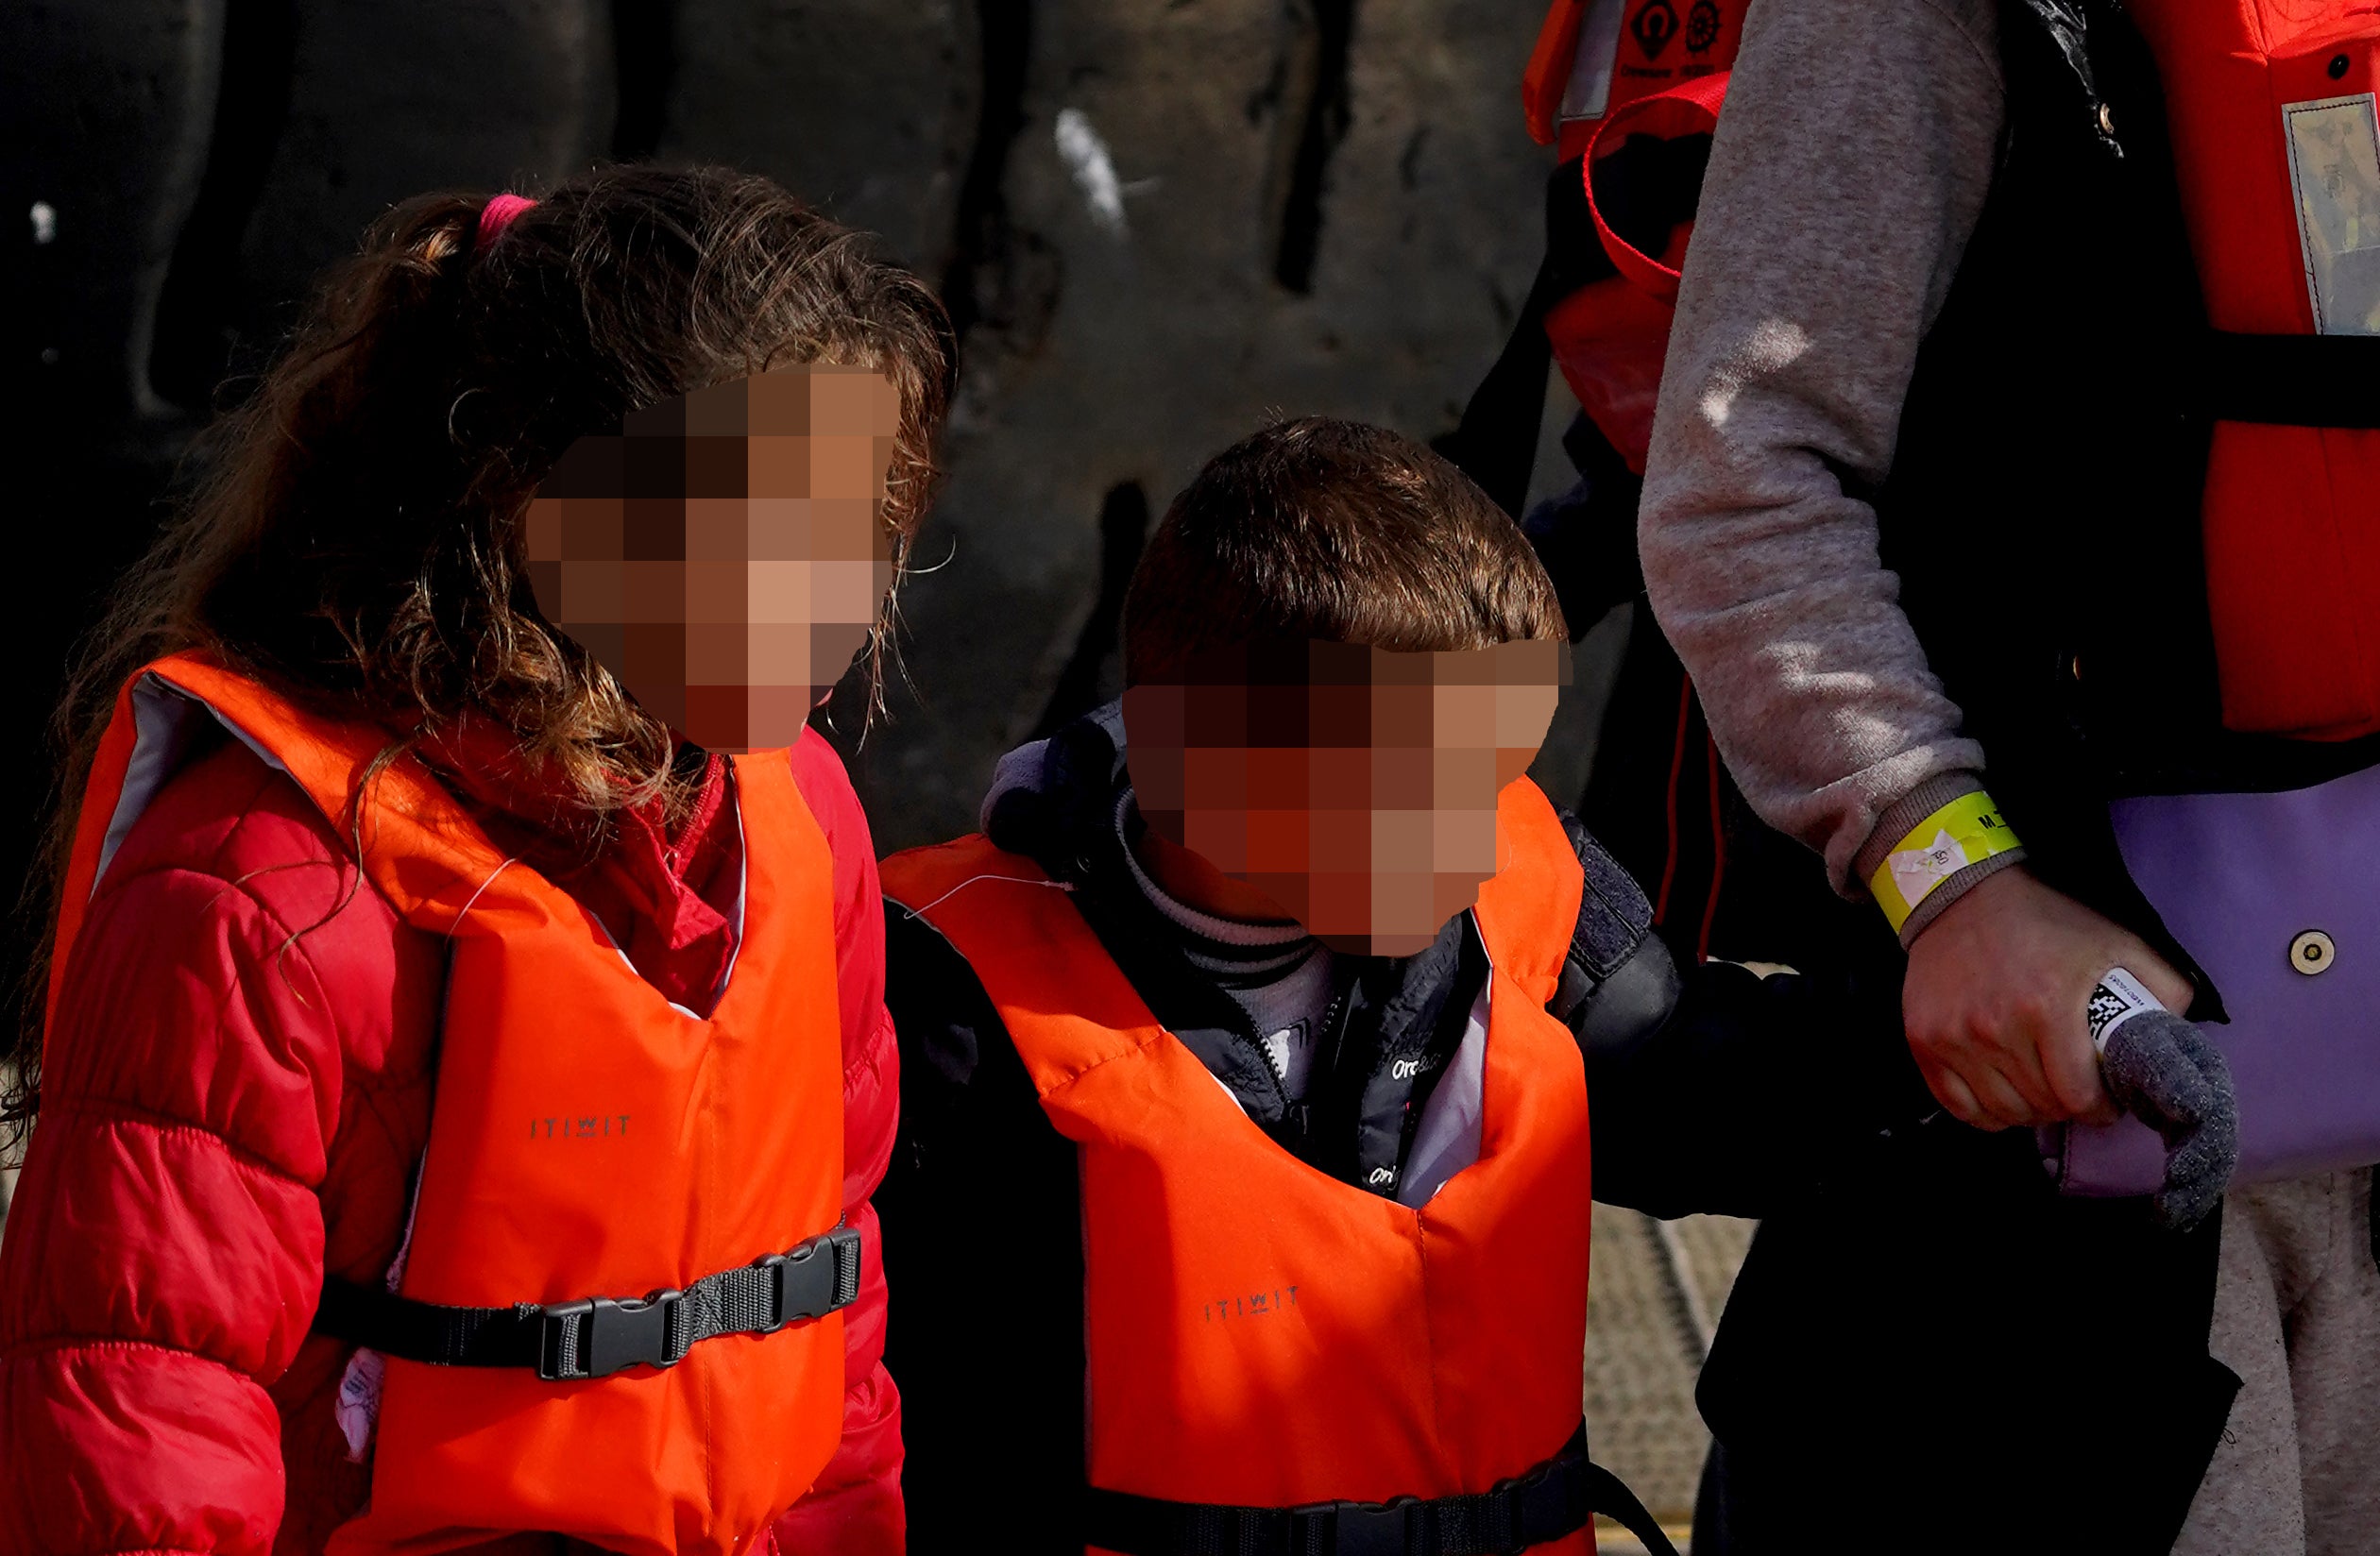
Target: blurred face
[(725, 554), (1355, 787)]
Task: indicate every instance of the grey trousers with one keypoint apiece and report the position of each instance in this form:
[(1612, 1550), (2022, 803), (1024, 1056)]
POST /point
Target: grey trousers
[(2297, 1317)]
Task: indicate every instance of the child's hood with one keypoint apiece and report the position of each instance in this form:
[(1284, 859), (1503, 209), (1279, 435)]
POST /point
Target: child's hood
[(1050, 798)]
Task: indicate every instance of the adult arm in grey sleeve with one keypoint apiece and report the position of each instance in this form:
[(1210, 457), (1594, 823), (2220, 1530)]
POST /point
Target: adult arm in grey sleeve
[(1848, 171)]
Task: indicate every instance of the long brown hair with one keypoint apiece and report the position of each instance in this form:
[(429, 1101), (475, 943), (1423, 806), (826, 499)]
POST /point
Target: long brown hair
[(355, 541)]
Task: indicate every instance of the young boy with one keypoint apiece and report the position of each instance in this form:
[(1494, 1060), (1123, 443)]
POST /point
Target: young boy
[(1246, 1174)]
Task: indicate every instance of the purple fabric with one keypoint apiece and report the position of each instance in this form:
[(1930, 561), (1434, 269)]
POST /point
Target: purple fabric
[(2238, 878)]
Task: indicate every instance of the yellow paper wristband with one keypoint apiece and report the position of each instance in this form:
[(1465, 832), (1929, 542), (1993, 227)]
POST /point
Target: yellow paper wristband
[(1967, 831)]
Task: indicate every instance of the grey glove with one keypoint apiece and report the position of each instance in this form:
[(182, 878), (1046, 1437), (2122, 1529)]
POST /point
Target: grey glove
[(2168, 1073)]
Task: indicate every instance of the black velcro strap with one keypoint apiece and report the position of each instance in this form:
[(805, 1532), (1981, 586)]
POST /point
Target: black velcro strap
[(1557, 1498), (593, 1338), (2292, 380)]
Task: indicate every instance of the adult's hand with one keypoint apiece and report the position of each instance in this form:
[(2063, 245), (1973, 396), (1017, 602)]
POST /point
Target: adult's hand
[(1995, 997)]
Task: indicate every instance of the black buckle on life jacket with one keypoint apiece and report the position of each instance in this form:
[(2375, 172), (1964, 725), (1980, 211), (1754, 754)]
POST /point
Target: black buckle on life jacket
[(814, 1279), (602, 1335), (1354, 1529), (571, 1341)]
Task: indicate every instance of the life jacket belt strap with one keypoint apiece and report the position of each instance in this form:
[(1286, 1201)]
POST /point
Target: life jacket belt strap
[(1558, 1498), (2291, 381), (598, 1336)]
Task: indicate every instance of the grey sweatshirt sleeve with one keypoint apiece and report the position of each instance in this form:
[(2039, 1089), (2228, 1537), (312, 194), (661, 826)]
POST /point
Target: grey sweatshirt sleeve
[(1849, 168)]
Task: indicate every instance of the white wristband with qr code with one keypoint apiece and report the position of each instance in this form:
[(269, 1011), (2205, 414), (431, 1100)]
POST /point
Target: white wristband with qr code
[(2117, 999)]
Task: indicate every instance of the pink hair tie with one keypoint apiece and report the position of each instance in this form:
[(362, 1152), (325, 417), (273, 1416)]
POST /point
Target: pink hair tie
[(498, 214)]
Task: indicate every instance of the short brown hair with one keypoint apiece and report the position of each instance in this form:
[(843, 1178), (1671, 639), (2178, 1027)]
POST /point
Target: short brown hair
[(1318, 529)]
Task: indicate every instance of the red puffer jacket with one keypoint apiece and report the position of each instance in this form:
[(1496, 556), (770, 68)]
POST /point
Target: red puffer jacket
[(235, 1095)]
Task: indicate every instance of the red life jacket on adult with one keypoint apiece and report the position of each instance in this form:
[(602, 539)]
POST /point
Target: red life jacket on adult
[(2277, 153), (1629, 92), (589, 1140), (1608, 82), (1261, 1337)]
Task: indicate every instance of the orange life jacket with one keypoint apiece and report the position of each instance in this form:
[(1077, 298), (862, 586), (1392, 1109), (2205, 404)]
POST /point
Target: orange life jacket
[(1257, 1334), (588, 1139), (2277, 153)]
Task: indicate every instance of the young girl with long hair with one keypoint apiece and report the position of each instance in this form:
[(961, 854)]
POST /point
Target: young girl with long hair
[(457, 1092)]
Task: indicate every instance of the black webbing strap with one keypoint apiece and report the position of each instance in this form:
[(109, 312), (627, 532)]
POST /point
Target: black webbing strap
[(1495, 443), (1645, 188), (2292, 380), (565, 1341), (1557, 1498)]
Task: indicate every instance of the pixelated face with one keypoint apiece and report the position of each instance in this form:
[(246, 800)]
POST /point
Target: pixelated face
[(725, 554), (1355, 787)]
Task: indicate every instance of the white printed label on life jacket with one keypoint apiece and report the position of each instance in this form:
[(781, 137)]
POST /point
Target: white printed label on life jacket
[(1597, 55), (358, 1404), (357, 1407), (2334, 174)]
